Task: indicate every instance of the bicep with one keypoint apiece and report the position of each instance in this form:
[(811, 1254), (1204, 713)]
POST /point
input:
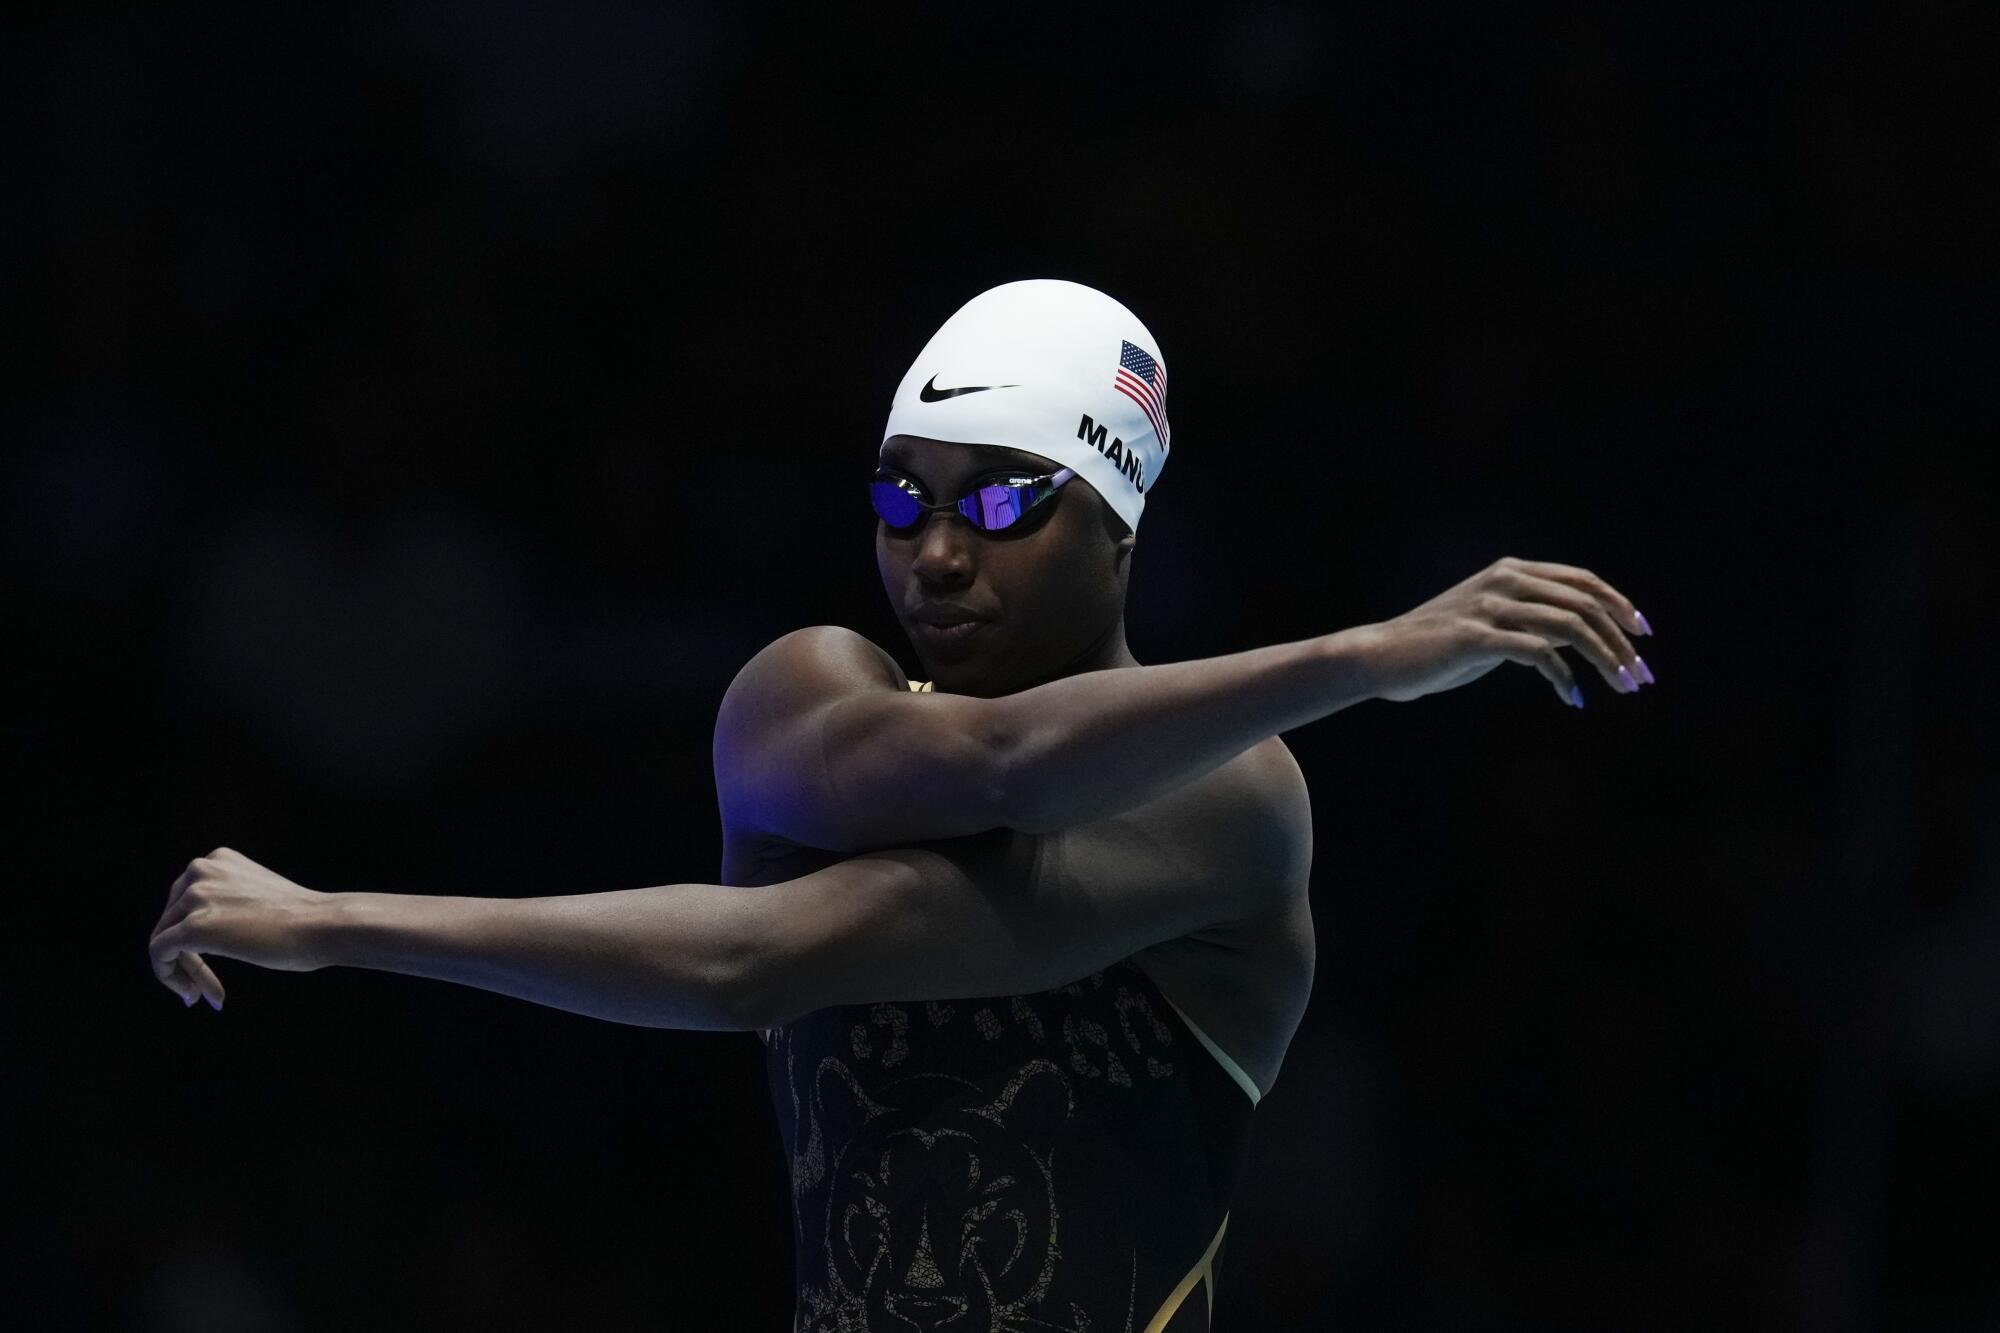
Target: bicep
[(820, 741)]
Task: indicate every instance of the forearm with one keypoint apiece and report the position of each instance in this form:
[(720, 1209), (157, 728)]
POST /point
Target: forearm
[(1094, 745), (672, 956)]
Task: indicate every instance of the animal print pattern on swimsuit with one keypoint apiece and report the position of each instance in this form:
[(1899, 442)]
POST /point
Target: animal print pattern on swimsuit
[(1012, 1164)]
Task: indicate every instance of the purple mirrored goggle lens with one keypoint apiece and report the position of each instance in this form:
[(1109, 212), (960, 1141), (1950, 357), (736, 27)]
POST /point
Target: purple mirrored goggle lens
[(900, 504)]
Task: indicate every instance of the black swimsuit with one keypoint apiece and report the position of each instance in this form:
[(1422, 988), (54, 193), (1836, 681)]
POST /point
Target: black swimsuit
[(1062, 1160)]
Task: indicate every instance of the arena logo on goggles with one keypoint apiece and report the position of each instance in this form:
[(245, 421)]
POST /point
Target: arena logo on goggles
[(1093, 435)]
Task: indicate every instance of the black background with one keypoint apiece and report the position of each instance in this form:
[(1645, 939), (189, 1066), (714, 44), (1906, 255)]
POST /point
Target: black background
[(416, 414)]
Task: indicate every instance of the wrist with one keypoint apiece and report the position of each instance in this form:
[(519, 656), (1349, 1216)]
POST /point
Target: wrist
[(1349, 655), (336, 924)]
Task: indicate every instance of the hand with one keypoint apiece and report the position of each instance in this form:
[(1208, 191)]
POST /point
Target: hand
[(227, 904), (1513, 610)]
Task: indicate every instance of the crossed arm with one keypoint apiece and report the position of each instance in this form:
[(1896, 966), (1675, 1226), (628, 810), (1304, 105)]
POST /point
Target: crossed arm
[(1055, 831), (819, 740), (995, 846), (990, 914)]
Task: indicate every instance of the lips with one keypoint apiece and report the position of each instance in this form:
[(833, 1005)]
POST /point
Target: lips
[(950, 643), (948, 631), (944, 615)]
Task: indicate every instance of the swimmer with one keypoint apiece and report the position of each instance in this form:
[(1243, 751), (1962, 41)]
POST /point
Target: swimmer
[(1026, 938)]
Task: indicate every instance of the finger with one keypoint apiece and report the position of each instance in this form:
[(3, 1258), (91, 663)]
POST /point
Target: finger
[(1564, 626), (206, 983), (1534, 651), (200, 866), (177, 912), (179, 886), (164, 962), (1530, 586), (1621, 605), (175, 978), (166, 948)]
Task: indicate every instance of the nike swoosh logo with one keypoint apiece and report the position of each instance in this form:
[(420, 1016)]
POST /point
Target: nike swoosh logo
[(930, 393)]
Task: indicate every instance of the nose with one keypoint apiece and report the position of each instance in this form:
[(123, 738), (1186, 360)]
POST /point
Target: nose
[(944, 549)]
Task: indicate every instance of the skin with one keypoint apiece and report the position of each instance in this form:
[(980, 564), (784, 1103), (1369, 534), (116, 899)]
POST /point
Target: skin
[(981, 914), (1203, 884), (1056, 589)]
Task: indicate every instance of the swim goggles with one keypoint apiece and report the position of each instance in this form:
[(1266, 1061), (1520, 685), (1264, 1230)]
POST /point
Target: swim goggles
[(900, 503)]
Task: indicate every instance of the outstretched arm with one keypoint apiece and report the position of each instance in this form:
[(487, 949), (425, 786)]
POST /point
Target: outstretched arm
[(820, 741), (994, 914), (674, 955)]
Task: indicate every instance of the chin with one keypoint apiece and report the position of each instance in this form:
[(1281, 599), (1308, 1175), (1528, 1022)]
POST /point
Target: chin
[(954, 661), (966, 676)]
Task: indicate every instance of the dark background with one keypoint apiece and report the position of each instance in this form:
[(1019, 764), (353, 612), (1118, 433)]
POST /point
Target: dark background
[(415, 415)]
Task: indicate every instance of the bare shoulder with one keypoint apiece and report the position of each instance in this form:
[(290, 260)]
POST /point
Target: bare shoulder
[(819, 742), (783, 682), (806, 665)]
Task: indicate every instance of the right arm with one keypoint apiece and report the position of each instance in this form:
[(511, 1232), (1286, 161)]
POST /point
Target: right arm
[(820, 740), (1094, 745)]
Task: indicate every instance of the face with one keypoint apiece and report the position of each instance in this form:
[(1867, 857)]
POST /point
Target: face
[(1050, 589)]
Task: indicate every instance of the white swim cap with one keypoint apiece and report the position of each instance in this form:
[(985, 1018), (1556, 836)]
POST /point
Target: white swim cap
[(1052, 367)]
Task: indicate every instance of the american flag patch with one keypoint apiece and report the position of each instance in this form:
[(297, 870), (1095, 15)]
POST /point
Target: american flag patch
[(1144, 380)]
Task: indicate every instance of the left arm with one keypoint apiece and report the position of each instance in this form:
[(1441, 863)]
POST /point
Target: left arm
[(669, 956), (674, 955), (1012, 913), (995, 913)]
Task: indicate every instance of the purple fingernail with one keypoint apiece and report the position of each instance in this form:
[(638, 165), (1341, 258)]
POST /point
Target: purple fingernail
[(186, 1001), (213, 1003), (1645, 672), (1631, 686), (1640, 616), (1575, 694)]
